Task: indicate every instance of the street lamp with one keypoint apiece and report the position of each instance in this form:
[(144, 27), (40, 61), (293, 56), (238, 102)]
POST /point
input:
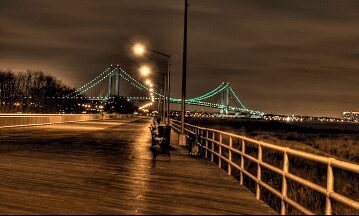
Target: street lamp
[(162, 94), (139, 50), (182, 136), (160, 108), (148, 82), (145, 70)]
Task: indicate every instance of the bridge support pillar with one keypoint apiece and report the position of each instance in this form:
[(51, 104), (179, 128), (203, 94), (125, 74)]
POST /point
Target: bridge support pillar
[(117, 83), (221, 111), (224, 101), (109, 86), (227, 99)]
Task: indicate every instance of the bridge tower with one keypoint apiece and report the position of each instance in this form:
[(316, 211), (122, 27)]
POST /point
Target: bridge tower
[(224, 101), (116, 75)]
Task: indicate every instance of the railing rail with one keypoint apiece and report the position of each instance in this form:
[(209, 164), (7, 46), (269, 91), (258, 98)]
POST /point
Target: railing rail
[(208, 140), (20, 120)]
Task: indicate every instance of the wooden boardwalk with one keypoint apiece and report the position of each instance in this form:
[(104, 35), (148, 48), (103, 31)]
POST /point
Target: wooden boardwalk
[(106, 167)]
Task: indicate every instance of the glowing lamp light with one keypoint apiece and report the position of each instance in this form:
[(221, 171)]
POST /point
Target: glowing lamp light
[(145, 70), (148, 82), (139, 49)]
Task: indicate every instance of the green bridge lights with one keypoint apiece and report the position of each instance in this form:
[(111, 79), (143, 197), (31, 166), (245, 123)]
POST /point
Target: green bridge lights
[(193, 101)]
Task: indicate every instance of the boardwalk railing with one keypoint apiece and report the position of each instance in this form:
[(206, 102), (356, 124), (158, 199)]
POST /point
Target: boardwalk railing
[(209, 138), (18, 120)]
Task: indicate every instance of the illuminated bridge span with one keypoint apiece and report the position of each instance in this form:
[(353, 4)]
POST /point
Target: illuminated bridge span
[(107, 84)]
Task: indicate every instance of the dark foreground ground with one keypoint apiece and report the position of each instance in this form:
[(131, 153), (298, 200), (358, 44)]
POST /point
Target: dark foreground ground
[(105, 167)]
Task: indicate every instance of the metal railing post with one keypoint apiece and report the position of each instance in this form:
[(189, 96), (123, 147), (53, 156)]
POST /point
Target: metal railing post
[(330, 188), (259, 172), (195, 130), (201, 141), (213, 137), (207, 136), (283, 209), (230, 155), (220, 151), (242, 162)]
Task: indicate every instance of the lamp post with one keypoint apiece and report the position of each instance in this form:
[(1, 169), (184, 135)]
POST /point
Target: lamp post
[(145, 70), (168, 86), (163, 107), (160, 108), (182, 136), (140, 50)]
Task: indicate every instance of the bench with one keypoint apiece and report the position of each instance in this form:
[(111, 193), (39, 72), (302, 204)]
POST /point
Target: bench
[(159, 144)]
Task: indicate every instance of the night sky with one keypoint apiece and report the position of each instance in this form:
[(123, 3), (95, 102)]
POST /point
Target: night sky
[(289, 57)]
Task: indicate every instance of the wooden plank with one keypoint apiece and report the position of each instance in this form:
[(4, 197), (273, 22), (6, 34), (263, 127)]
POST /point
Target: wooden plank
[(106, 167)]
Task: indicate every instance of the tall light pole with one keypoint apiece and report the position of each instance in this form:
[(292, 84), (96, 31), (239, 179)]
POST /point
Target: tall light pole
[(165, 86), (168, 86), (182, 136), (168, 89), (159, 107), (140, 50), (145, 71)]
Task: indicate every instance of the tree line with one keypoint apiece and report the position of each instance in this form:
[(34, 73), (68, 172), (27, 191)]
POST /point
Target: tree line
[(38, 92), (34, 92)]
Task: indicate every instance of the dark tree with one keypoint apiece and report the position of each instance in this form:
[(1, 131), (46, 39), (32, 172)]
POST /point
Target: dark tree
[(35, 92)]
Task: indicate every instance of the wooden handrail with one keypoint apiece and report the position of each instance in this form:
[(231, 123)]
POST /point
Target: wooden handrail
[(208, 140)]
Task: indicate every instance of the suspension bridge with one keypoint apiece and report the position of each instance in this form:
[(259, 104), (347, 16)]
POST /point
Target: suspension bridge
[(107, 85)]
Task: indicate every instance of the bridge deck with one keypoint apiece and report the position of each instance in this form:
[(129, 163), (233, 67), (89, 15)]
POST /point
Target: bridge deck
[(106, 167)]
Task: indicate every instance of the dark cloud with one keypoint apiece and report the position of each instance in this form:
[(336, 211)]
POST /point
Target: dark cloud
[(281, 56)]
